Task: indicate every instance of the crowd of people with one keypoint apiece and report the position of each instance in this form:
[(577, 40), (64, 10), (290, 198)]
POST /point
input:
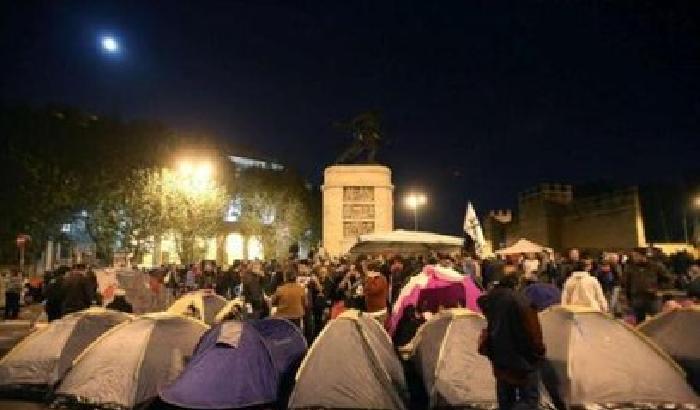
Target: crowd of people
[(309, 292)]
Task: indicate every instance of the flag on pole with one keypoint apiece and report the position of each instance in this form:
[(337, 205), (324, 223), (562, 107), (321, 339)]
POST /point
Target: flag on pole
[(472, 227)]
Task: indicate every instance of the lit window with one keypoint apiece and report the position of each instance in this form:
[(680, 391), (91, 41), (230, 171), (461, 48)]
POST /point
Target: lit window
[(65, 228), (233, 212), (268, 215)]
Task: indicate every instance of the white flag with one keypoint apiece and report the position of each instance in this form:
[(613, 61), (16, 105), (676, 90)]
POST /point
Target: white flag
[(472, 227)]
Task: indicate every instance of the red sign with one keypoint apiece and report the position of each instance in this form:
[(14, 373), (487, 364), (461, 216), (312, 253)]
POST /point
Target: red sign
[(22, 240)]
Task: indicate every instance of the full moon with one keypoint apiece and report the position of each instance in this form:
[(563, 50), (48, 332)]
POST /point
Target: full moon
[(110, 44)]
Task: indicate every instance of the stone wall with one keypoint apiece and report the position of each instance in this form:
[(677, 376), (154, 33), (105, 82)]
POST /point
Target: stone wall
[(550, 215), (608, 221)]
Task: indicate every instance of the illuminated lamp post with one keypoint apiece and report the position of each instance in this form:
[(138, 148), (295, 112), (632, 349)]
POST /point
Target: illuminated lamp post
[(414, 201)]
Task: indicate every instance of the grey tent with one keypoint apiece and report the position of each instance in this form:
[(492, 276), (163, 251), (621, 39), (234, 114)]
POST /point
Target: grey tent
[(444, 352), (352, 364), (594, 359), (678, 333), (43, 358), (205, 303), (127, 366)]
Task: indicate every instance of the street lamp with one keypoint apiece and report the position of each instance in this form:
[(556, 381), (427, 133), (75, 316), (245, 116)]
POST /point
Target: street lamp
[(194, 178), (414, 201)]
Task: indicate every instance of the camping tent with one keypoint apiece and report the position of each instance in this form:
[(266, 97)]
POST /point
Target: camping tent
[(435, 285), (401, 241), (239, 364), (593, 358), (126, 366), (43, 358), (678, 333), (206, 302), (523, 246), (351, 364), (235, 308), (444, 352)]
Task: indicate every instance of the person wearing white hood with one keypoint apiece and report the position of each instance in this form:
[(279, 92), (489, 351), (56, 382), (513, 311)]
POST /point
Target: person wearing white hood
[(582, 289)]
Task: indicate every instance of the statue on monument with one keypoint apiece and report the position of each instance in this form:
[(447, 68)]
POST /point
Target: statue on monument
[(366, 131)]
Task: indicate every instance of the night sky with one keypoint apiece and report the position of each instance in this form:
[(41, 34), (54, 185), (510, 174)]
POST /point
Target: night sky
[(480, 99)]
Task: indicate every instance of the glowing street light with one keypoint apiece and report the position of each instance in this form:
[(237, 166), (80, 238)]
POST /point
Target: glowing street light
[(414, 201), (194, 178), (109, 44)]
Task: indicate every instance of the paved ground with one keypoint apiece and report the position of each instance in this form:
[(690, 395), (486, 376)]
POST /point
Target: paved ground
[(12, 331), (21, 405)]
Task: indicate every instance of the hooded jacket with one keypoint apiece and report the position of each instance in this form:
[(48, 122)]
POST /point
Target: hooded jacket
[(582, 289)]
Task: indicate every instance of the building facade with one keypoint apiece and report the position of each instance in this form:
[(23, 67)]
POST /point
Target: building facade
[(551, 215)]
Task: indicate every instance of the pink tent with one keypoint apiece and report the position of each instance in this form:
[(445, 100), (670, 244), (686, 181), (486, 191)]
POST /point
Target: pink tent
[(426, 283)]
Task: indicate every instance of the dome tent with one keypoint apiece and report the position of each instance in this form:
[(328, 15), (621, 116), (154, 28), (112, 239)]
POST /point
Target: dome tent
[(524, 246), (45, 356), (595, 359), (233, 309), (206, 302), (239, 364), (444, 352), (678, 333), (435, 285), (351, 364), (126, 366)]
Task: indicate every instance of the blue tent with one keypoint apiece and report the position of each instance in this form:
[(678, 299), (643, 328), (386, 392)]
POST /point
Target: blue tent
[(238, 364)]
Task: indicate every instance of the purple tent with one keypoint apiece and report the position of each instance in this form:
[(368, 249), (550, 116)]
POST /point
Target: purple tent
[(238, 364)]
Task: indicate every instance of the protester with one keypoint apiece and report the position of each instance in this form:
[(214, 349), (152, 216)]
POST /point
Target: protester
[(190, 278), (120, 303), (54, 293), (642, 280), (77, 290), (351, 287), (582, 289), (567, 266), (609, 280), (290, 300), (694, 281), (13, 292), (376, 292), (530, 264), (317, 300), (513, 343)]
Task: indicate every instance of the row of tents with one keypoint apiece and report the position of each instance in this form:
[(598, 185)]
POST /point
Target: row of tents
[(103, 358)]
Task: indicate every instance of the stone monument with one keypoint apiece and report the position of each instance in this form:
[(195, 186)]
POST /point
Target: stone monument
[(357, 199)]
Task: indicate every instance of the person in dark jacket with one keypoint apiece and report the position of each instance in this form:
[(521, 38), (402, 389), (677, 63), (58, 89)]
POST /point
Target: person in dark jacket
[(642, 280), (120, 303), (407, 327), (13, 294), (513, 343), (77, 290), (252, 293), (53, 293)]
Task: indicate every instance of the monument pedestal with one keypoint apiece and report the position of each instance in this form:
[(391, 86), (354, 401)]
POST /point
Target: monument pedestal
[(357, 199)]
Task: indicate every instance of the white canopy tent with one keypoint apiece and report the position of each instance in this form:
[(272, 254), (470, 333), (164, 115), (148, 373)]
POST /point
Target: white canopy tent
[(401, 241), (523, 246)]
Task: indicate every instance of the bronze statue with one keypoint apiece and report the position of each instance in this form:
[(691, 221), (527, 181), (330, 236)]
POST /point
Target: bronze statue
[(366, 131)]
